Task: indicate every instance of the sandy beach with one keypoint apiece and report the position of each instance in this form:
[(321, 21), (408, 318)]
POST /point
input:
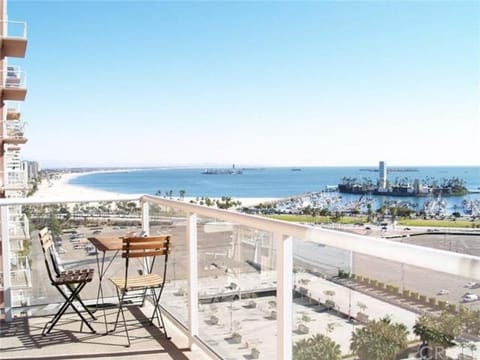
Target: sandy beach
[(59, 187)]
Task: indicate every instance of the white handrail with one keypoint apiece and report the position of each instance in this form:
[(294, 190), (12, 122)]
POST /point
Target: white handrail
[(433, 259), (439, 260)]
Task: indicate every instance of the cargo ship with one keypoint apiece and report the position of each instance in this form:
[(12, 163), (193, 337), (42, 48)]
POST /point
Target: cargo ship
[(232, 171)]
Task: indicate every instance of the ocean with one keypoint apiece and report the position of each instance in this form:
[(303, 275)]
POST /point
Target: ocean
[(274, 182)]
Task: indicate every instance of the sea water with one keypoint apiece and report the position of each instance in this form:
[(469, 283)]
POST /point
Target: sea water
[(273, 182)]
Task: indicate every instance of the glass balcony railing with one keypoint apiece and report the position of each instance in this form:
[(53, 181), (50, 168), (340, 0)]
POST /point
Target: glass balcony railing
[(14, 78), (15, 130), (18, 227), (16, 178), (246, 287), (13, 110), (13, 39), (14, 29)]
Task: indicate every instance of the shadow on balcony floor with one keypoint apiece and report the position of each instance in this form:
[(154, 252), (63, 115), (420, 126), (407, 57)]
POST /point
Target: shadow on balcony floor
[(22, 339)]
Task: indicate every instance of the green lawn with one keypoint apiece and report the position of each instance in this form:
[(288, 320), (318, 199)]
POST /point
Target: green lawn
[(363, 219), (319, 219), (439, 223)]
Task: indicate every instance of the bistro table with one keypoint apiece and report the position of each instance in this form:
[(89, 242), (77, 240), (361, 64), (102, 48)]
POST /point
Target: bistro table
[(105, 244)]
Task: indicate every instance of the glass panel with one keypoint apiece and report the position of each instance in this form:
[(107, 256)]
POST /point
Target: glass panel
[(71, 226), (168, 221), (237, 302), (337, 293)]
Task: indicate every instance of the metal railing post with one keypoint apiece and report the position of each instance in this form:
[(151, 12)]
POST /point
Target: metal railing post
[(7, 281), (145, 216), (284, 295), (192, 278)]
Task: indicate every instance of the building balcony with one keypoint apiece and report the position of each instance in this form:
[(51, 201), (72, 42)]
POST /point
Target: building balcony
[(15, 132), (12, 149), (19, 228), (12, 160), (16, 179), (21, 275), (13, 110), (14, 84), (235, 282), (13, 42)]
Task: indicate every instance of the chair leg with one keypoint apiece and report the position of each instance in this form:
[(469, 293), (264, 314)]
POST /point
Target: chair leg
[(79, 299), (155, 311), (120, 310), (125, 325), (163, 325), (75, 295), (68, 302), (158, 313), (120, 298)]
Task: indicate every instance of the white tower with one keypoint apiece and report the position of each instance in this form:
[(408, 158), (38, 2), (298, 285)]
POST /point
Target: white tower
[(382, 174)]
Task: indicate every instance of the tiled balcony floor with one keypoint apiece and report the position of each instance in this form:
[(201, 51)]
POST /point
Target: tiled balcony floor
[(22, 339)]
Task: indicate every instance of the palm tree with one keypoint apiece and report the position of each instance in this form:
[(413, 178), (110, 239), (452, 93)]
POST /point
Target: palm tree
[(470, 320), (182, 194), (316, 347), (437, 333), (369, 212), (314, 213), (54, 225), (362, 306), (379, 340)]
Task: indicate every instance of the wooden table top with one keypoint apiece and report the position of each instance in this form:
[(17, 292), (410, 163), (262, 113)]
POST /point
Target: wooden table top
[(107, 243)]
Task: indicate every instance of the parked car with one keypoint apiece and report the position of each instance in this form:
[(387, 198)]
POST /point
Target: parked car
[(407, 228), (443, 292), (471, 284), (470, 297)]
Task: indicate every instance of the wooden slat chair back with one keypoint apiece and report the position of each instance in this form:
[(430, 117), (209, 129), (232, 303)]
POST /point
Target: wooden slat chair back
[(68, 283), (149, 249), (52, 262)]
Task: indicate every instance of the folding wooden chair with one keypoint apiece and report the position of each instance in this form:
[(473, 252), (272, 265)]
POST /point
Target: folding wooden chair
[(131, 287), (69, 283)]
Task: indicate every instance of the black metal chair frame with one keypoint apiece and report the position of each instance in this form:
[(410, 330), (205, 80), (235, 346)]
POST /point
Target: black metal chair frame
[(146, 248), (72, 280)]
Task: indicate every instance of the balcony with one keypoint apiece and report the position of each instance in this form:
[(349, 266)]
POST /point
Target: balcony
[(12, 149), (15, 132), (18, 228), (16, 179), (13, 110), (236, 282), (14, 41), (14, 84), (12, 160)]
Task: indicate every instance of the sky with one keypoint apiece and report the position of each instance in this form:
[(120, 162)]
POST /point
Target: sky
[(132, 83)]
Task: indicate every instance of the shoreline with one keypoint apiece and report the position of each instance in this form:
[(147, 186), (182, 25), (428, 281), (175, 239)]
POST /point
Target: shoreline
[(60, 187)]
